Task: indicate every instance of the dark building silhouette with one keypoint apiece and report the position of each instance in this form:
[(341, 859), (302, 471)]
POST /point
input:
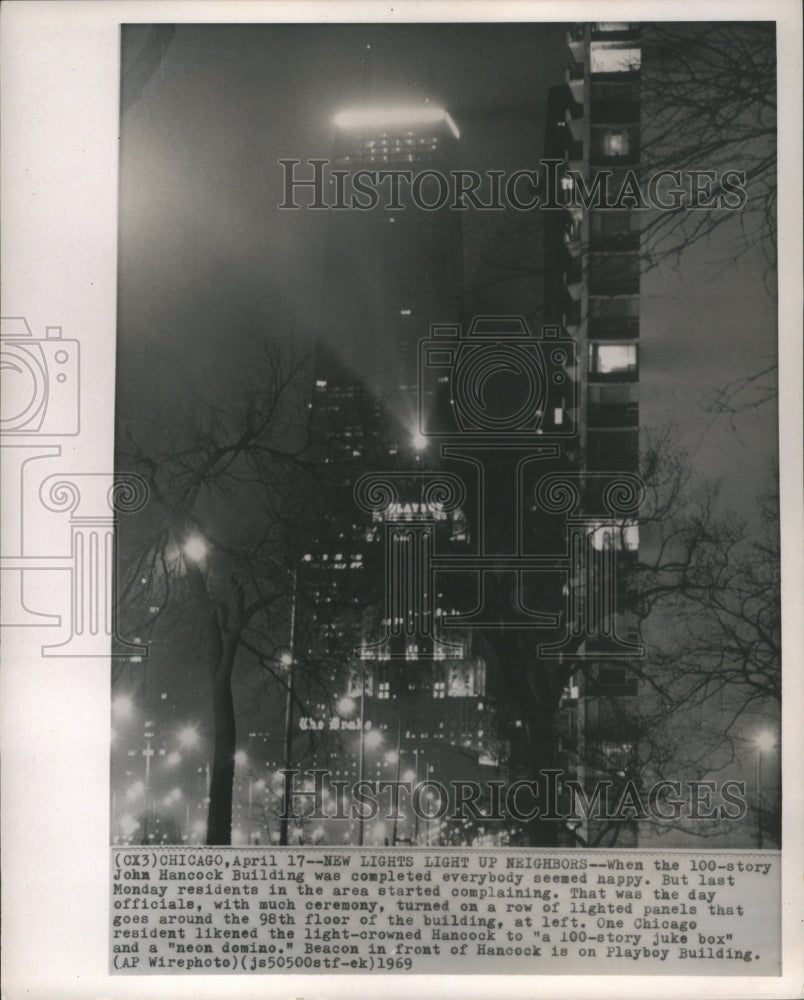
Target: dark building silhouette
[(389, 273), (592, 289)]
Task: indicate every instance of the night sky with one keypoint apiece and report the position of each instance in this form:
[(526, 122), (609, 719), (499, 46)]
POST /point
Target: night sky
[(209, 266)]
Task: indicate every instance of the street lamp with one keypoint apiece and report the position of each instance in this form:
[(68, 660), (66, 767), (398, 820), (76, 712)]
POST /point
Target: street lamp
[(147, 753), (361, 745), (195, 548), (764, 741), (412, 775), (371, 739), (188, 737), (122, 708), (287, 660)]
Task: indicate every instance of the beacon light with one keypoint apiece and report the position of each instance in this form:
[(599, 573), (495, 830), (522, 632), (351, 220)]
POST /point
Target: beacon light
[(370, 117)]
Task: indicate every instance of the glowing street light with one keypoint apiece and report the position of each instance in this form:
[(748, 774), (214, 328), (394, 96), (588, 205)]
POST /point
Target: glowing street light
[(188, 737), (195, 548), (346, 705), (287, 660), (419, 441), (122, 707), (136, 790), (373, 739), (764, 741), (128, 824)]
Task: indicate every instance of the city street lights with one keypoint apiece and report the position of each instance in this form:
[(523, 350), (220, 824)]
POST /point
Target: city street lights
[(372, 739), (147, 753), (287, 660), (195, 548), (413, 777), (188, 737), (395, 757), (764, 742), (122, 708), (156, 743)]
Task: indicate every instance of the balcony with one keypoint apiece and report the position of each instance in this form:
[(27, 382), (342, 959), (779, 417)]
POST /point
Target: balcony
[(576, 81), (573, 277), (572, 316), (576, 125), (614, 327), (612, 415), (618, 31), (615, 112), (626, 688), (613, 274), (623, 242), (610, 287), (576, 42), (573, 241)]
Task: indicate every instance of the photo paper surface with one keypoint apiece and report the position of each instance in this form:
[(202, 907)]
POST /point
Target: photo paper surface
[(435, 573)]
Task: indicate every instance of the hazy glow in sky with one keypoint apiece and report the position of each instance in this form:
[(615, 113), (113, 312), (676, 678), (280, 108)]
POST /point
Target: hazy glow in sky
[(393, 116)]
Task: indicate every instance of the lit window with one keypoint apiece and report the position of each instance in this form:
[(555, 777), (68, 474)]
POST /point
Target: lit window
[(615, 143), (607, 358), (439, 689), (614, 57), (384, 689)]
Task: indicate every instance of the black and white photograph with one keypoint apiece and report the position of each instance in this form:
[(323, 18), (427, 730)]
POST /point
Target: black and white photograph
[(435, 575)]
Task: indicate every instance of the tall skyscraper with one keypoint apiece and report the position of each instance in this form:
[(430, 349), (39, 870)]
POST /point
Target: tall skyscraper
[(391, 270), (406, 708), (592, 290)]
